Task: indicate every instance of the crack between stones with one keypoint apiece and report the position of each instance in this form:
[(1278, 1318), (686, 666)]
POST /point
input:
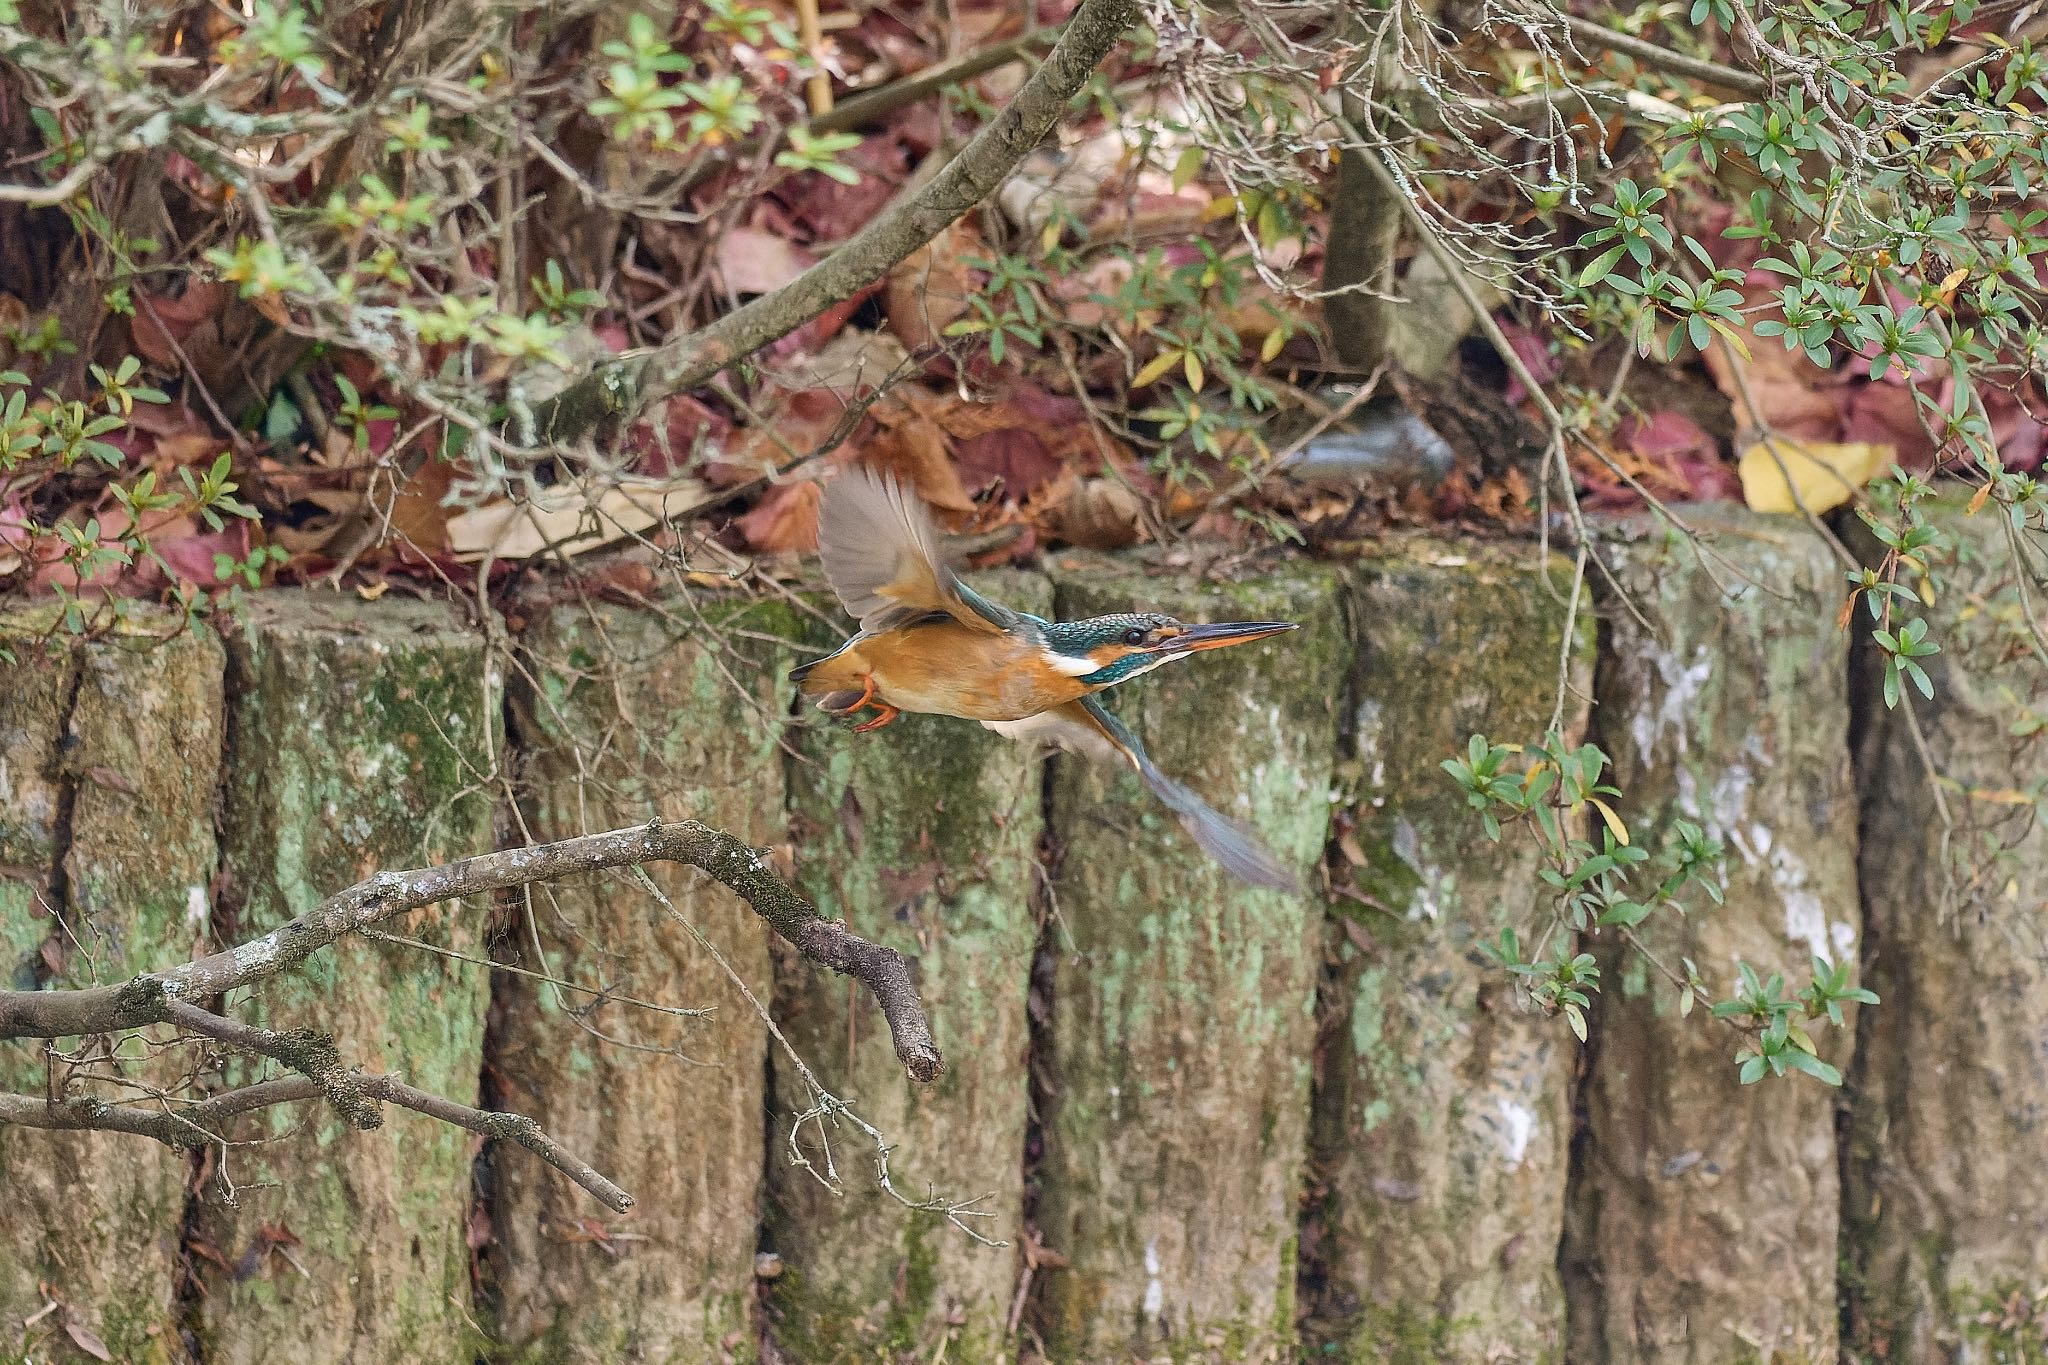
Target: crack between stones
[(1041, 1054), (481, 1234), (188, 1298), (1869, 723), (63, 771), (1318, 1311)]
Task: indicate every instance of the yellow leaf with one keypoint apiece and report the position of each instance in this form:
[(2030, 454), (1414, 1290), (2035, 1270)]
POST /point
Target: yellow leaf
[(1614, 825), (1732, 337), (1222, 206), (1977, 502), (1949, 284), (1824, 474), (1193, 368), (1270, 348), (1159, 365), (1050, 236), (1186, 168)]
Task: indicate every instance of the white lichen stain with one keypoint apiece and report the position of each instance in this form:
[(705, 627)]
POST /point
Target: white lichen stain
[(1155, 1290), (195, 908), (1683, 684), (1843, 936), (256, 953), (1806, 918), (1517, 1125), (1426, 902), (1366, 725)]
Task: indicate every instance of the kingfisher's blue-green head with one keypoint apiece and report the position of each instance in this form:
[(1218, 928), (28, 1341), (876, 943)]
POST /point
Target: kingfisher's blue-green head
[(1103, 650)]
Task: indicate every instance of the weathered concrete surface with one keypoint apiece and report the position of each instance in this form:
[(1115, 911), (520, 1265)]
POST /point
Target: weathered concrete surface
[(1947, 1138), (108, 763), (1703, 1213), (924, 836), (1442, 1122), (1184, 1004), (681, 719), (361, 742)]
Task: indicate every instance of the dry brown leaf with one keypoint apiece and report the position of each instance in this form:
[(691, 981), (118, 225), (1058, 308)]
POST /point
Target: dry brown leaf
[(568, 520), (786, 518), (929, 289), (419, 514), (916, 451), (188, 447), (85, 1339), (1101, 514)]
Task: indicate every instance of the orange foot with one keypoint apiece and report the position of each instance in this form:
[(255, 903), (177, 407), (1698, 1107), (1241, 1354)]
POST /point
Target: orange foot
[(886, 713)]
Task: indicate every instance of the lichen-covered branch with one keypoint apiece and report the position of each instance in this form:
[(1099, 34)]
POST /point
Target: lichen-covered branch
[(196, 1125), (168, 996), (616, 392)]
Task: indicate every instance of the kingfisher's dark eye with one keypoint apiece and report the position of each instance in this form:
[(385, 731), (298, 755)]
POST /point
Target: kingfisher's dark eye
[(1134, 636)]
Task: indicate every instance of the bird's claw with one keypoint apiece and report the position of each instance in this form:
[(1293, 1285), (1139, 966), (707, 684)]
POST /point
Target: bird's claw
[(886, 713)]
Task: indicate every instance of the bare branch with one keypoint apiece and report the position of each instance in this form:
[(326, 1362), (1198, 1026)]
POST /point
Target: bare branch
[(1745, 83), (147, 999), (167, 996), (617, 391), (197, 1125)]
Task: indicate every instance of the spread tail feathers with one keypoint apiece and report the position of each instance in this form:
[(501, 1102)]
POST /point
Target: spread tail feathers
[(1086, 727)]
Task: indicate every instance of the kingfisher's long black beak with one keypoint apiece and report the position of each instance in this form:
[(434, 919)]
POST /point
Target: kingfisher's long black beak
[(1221, 633)]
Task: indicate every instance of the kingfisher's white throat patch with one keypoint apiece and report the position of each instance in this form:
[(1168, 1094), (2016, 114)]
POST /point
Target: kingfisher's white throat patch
[(1069, 665)]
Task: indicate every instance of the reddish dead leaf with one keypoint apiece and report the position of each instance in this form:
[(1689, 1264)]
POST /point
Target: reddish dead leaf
[(832, 211), (902, 886), (1012, 458), (112, 779), (807, 339), (1534, 352), (1887, 415), (676, 431), (160, 320), (190, 551), (753, 261), (786, 518), (1793, 396)]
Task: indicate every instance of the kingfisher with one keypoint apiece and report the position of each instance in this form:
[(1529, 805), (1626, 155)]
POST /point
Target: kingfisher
[(930, 644)]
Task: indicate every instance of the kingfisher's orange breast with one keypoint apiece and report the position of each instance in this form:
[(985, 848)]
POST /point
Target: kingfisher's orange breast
[(943, 668)]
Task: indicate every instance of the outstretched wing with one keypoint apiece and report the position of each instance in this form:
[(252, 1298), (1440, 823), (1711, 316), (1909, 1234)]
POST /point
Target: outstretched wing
[(1087, 727), (882, 558)]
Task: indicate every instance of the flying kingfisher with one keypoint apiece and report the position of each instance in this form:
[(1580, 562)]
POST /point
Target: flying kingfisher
[(931, 644)]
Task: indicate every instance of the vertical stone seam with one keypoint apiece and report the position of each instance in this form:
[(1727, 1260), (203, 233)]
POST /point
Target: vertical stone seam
[(1578, 1263), (485, 1301), (1313, 1301), (760, 1308), (64, 772), (238, 680), (1869, 731), (1041, 1053)]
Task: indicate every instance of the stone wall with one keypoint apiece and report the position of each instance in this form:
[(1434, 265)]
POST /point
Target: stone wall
[(1211, 1124)]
